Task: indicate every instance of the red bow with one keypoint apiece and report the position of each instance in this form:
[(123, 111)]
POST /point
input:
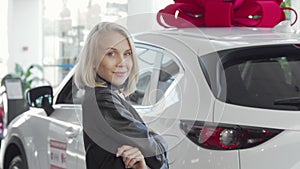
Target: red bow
[(221, 13)]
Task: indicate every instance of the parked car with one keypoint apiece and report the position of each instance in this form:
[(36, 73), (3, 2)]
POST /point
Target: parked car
[(221, 97), (12, 102)]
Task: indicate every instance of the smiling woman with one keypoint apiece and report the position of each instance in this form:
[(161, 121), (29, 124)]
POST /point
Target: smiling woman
[(115, 136), (117, 61)]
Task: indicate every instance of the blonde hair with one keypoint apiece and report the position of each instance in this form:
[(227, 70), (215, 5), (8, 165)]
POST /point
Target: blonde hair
[(85, 71)]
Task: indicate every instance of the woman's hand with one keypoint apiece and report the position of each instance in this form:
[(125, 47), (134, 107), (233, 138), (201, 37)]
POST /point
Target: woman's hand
[(132, 157)]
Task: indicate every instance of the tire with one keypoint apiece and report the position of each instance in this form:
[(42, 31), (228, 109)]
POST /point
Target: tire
[(17, 162)]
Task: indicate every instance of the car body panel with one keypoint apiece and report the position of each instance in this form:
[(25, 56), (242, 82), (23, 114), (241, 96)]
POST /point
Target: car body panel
[(64, 130), (234, 114), (279, 152)]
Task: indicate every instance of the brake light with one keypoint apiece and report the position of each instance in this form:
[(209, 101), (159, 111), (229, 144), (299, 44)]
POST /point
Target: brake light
[(297, 45), (224, 136)]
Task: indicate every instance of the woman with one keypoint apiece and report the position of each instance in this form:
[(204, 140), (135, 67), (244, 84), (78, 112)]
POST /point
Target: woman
[(115, 136)]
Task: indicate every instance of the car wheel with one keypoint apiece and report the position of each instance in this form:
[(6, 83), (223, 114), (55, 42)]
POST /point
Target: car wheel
[(17, 162)]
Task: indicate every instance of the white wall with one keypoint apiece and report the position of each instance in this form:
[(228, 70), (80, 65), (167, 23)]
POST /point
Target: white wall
[(296, 6), (3, 35), (24, 30), (140, 6), (142, 14)]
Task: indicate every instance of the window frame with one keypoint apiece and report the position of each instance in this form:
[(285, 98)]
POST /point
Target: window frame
[(177, 76), (221, 60)]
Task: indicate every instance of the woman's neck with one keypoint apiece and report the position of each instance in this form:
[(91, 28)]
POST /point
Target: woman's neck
[(115, 88), (120, 93), (108, 84)]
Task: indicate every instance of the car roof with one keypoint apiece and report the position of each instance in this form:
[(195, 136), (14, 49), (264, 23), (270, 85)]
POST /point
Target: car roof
[(233, 33), (221, 38)]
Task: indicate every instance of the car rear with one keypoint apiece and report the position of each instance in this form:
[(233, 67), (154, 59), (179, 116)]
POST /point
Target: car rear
[(257, 107), (241, 109)]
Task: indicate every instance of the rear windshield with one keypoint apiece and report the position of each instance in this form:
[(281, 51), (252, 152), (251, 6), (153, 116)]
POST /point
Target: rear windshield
[(262, 77)]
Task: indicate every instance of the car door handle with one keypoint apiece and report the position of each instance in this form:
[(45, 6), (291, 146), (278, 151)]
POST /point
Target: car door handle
[(71, 132)]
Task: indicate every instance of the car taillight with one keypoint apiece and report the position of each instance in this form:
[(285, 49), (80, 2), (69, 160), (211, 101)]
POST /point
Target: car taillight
[(224, 136)]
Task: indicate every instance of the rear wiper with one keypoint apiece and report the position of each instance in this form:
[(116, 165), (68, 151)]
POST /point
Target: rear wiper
[(291, 101)]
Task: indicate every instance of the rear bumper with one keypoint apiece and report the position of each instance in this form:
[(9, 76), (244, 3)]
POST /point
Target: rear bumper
[(280, 152)]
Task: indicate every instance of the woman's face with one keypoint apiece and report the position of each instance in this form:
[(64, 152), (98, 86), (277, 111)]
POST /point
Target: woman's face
[(117, 61)]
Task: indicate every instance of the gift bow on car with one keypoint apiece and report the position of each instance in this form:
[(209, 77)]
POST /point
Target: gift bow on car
[(223, 13)]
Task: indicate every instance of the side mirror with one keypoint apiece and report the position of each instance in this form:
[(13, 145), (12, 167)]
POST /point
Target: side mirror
[(41, 97)]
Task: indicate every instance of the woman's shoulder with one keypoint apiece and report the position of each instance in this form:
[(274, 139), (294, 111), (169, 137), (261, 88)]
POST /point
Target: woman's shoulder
[(104, 95), (104, 90)]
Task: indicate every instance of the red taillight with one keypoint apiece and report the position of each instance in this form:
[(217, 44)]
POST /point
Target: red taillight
[(297, 45), (224, 136)]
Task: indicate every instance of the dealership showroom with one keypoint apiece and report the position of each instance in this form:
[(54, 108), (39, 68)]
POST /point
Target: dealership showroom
[(113, 84)]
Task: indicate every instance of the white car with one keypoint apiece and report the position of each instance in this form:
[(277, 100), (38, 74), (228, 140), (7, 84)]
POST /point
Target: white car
[(2, 110), (223, 98)]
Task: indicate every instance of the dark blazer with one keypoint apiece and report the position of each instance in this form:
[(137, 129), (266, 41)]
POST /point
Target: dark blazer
[(110, 122)]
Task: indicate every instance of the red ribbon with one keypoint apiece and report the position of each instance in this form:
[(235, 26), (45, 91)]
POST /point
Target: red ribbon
[(222, 13)]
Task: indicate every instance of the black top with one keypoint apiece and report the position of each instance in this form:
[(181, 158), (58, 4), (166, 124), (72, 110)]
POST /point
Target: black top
[(110, 122)]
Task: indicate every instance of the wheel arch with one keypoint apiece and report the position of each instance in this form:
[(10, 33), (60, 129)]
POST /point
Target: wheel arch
[(15, 147)]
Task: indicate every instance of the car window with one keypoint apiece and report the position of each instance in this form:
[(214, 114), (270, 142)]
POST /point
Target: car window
[(263, 77), (157, 71), (70, 94)]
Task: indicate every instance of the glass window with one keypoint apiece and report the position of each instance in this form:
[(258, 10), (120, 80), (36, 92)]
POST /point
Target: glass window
[(157, 68), (263, 77), (66, 23), (157, 72)]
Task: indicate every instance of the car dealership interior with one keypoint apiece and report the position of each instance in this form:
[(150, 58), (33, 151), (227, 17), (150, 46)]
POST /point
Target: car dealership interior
[(50, 33), (40, 41)]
